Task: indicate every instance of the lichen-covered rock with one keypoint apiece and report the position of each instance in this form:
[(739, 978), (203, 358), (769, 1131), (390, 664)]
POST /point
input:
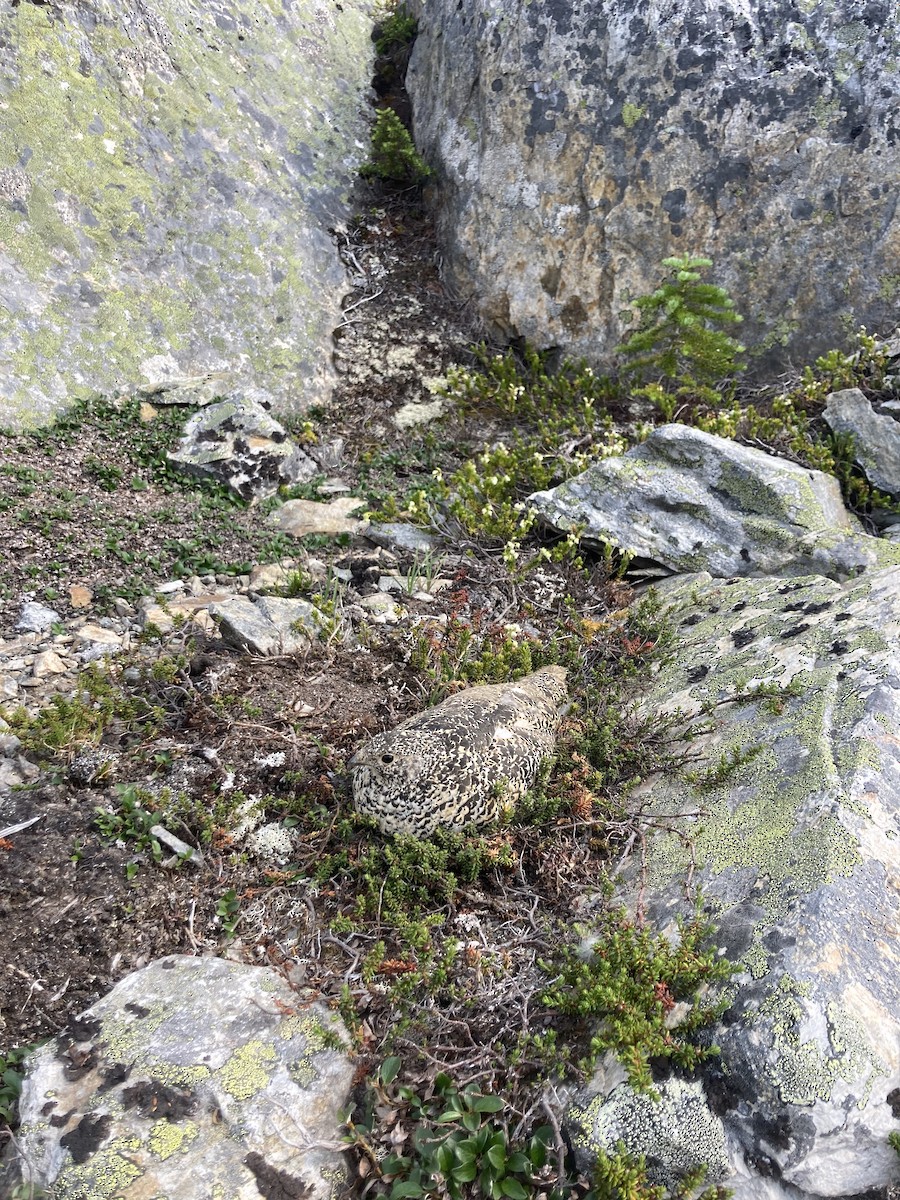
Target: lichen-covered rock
[(796, 684), (673, 1130), (239, 444), (580, 142), (168, 176), (270, 625), (876, 437), (696, 502), (195, 1077)]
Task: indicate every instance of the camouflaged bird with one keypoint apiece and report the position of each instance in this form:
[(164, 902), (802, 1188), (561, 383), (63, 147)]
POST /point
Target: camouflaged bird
[(461, 762)]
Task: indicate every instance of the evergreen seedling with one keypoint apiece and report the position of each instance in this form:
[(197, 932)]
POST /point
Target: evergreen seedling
[(394, 157), (680, 340)]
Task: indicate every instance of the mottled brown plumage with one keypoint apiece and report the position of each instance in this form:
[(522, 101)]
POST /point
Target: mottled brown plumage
[(459, 763)]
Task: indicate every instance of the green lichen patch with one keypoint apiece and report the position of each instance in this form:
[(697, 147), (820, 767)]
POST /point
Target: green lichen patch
[(246, 1073)]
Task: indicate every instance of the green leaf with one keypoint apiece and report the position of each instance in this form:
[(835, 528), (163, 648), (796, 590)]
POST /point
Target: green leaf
[(471, 1121), (513, 1189), (487, 1104), (497, 1157), (465, 1172), (405, 1187), (518, 1163), (390, 1069)]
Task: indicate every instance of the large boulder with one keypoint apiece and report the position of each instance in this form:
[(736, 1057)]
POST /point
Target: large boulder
[(195, 1077), (792, 689), (168, 176), (578, 143), (696, 502)]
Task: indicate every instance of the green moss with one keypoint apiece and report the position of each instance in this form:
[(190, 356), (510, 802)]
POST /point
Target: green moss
[(631, 114)]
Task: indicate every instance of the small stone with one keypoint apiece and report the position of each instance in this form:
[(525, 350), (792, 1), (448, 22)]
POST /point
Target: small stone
[(385, 611), (147, 412), (170, 588), (80, 597), (9, 744), (122, 607), (196, 586), (9, 689), (302, 517), (37, 618), (48, 662), (160, 618), (269, 577), (182, 851), (98, 636), (395, 535)]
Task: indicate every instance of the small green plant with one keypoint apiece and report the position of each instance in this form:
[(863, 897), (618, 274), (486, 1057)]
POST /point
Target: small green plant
[(623, 1176), (394, 158), (457, 1149), (396, 30), (130, 822), (12, 1073), (228, 910), (631, 983), (679, 347)]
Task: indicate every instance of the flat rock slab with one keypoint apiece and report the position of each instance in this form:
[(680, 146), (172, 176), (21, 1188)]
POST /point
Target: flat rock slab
[(267, 626), (237, 443), (194, 1077), (302, 517), (797, 855), (876, 437), (693, 502)]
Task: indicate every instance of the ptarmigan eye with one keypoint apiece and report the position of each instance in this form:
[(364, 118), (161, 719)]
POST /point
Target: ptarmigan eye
[(387, 758)]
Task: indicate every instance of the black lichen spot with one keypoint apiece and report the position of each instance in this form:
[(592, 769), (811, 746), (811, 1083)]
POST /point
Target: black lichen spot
[(60, 1119), (840, 647), (79, 1029), (795, 632), (673, 203), (798, 607), (113, 1075), (893, 1099), (742, 637), (692, 620), (745, 554), (154, 1100), (87, 1136), (137, 1010), (843, 617), (817, 608), (497, 85), (802, 209), (740, 605), (697, 673), (274, 1184)]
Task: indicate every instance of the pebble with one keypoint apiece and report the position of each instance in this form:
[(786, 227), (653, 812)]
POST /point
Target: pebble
[(37, 618), (48, 662)]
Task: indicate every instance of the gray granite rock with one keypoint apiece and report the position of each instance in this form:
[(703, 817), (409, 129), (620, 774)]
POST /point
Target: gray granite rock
[(36, 618), (303, 517), (797, 853), (693, 501), (172, 171), (237, 443), (395, 535), (876, 438), (269, 625), (579, 144), (195, 1077)]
